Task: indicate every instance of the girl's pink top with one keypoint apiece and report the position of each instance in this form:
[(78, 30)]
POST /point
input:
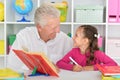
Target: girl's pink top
[(100, 58)]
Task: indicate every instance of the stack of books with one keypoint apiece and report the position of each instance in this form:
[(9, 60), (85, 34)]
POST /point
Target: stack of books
[(109, 72), (9, 74)]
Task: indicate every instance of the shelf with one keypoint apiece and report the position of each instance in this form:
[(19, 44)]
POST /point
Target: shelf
[(2, 56), (1, 22), (20, 22), (91, 23), (114, 24), (66, 23)]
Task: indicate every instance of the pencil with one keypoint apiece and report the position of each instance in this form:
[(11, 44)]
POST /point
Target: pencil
[(73, 60)]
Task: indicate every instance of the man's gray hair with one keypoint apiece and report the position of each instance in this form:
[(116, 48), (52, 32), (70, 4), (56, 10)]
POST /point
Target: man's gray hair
[(43, 12)]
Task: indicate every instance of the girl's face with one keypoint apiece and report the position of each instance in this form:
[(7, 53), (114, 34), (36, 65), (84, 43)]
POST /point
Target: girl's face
[(79, 39)]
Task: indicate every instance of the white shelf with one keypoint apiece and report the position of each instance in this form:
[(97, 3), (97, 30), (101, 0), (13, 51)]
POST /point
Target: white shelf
[(11, 26), (65, 23), (20, 22), (1, 22), (91, 23), (114, 24), (2, 56)]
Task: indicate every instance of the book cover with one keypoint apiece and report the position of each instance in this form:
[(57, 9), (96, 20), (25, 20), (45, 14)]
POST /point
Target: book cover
[(109, 70), (39, 60)]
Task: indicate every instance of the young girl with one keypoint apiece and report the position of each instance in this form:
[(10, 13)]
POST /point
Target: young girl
[(86, 54)]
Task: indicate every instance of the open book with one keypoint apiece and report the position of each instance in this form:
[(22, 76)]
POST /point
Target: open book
[(109, 70), (39, 60)]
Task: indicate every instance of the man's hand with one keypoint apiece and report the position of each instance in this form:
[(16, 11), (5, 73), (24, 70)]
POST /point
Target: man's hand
[(57, 68), (88, 68), (77, 68)]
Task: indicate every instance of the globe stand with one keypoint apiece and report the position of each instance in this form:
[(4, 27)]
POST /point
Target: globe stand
[(23, 20)]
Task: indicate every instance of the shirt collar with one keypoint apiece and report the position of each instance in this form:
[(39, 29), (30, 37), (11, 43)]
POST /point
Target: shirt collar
[(38, 35)]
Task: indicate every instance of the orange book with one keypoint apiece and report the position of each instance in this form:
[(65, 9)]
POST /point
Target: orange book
[(39, 60), (109, 70)]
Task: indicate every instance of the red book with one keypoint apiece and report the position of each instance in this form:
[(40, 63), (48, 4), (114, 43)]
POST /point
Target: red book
[(39, 60), (109, 70)]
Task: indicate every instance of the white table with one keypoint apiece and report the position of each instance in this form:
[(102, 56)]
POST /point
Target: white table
[(70, 75)]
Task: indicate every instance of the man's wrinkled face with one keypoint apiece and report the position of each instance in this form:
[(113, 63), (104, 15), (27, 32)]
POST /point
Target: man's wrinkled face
[(51, 28)]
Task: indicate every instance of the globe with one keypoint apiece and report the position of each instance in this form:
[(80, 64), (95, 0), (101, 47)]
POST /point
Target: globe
[(23, 7), (1, 11)]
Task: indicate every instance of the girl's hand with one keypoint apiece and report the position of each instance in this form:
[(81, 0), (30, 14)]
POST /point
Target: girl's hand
[(77, 68), (88, 68)]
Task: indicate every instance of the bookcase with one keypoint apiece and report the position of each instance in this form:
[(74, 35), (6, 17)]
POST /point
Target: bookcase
[(108, 30)]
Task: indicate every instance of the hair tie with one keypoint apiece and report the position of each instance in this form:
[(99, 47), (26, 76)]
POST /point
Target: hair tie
[(97, 35)]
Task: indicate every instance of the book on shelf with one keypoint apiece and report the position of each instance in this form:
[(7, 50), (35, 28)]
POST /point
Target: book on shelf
[(109, 70), (9, 74), (37, 60)]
